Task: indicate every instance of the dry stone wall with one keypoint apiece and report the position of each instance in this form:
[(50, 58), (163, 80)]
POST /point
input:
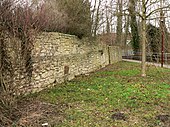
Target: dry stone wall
[(59, 57)]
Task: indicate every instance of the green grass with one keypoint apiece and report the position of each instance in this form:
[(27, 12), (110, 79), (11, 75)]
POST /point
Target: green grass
[(93, 99)]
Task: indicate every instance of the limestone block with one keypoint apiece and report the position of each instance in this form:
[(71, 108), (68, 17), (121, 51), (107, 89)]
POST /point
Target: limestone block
[(47, 74)]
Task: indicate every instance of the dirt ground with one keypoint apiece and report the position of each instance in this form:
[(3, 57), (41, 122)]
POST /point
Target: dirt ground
[(33, 113)]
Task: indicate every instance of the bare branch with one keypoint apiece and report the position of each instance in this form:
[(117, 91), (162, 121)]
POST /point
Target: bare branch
[(157, 10)]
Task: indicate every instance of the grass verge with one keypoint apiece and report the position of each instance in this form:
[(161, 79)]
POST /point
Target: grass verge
[(115, 96)]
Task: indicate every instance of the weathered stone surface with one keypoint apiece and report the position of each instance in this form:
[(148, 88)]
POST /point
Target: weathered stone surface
[(59, 57)]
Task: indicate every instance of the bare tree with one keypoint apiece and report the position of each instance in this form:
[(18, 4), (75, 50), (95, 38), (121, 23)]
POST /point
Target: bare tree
[(119, 22), (19, 24), (145, 15), (96, 16), (126, 30), (143, 38)]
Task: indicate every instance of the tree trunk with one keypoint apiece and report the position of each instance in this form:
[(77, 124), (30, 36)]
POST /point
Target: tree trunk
[(119, 23), (96, 22), (134, 26), (143, 39), (126, 30)]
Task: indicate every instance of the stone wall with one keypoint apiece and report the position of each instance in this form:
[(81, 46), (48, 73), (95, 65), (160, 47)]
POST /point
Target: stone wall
[(59, 57)]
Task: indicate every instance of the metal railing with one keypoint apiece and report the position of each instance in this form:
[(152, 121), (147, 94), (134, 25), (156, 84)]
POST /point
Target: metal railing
[(150, 57)]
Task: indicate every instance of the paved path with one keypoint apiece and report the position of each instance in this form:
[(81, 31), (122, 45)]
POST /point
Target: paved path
[(149, 63)]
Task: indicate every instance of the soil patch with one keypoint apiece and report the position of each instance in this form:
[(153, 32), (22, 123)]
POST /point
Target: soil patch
[(119, 116), (37, 113), (34, 113), (165, 119)]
